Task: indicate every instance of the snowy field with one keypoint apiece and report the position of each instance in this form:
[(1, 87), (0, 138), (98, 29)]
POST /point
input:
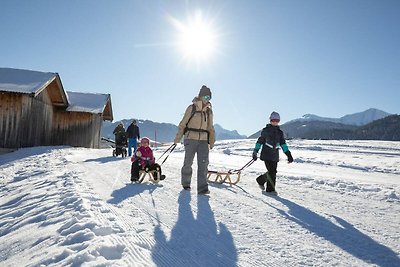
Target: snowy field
[(338, 205)]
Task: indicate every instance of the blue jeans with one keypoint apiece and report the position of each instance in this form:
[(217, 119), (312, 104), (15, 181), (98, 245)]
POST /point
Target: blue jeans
[(132, 142)]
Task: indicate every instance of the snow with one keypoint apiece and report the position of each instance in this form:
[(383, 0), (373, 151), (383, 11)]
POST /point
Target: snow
[(23, 81), (87, 102), (338, 205)]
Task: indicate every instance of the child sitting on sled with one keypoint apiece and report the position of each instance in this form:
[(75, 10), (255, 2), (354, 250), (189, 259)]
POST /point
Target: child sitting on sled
[(143, 159)]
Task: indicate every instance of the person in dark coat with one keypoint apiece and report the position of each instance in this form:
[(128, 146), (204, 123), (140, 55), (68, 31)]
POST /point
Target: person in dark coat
[(120, 134), (270, 140), (133, 135)]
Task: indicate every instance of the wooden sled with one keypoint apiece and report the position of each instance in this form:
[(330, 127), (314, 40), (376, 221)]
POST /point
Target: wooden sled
[(150, 174), (227, 176), (223, 177)]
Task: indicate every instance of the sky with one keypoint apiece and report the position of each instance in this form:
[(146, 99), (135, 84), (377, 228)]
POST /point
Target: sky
[(329, 58)]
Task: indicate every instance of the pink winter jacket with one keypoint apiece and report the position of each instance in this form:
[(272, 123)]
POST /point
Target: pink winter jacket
[(145, 156)]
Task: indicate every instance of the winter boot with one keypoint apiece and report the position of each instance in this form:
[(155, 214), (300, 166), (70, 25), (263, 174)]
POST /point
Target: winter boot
[(271, 179), (261, 181), (204, 192)]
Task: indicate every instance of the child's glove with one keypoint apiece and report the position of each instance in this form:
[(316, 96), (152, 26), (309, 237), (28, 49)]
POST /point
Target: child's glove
[(255, 155), (289, 156)]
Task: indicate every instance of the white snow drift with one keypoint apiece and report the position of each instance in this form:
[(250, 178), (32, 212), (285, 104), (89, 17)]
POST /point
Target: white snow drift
[(338, 205)]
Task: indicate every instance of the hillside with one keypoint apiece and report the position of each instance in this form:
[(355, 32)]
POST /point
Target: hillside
[(384, 129), (387, 128), (64, 206), (316, 130)]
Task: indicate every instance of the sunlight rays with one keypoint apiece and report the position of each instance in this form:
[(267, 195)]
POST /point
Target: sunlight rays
[(197, 38)]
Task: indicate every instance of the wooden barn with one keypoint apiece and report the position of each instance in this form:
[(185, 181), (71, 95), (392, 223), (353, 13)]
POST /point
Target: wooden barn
[(35, 110), (80, 123)]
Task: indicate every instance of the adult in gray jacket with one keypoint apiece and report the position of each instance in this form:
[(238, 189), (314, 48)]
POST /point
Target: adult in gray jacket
[(199, 137)]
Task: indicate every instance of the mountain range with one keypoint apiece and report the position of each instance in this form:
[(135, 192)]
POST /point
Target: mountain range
[(372, 124), (163, 132), (358, 119)]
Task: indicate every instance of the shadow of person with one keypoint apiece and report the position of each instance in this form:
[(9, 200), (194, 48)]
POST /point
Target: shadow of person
[(344, 236), (130, 190), (194, 241)]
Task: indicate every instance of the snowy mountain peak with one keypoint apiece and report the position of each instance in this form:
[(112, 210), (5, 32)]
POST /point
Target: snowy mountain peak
[(312, 117), (359, 118), (223, 134), (365, 117)]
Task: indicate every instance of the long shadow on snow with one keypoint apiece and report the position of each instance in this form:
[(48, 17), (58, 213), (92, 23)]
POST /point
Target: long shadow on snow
[(104, 160), (345, 236), (130, 190), (194, 241)]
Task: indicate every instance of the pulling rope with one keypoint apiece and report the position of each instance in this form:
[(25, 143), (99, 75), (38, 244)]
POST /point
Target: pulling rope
[(241, 169), (225, 177), (170, 149)]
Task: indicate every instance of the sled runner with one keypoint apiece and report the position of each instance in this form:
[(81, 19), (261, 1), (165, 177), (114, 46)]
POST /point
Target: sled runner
[(150, 174), (231, 177), (223, 177)]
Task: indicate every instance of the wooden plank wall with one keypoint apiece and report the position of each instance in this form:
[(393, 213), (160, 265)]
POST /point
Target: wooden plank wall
[(36, 121), (10, 113), (77, 129), (26, 121)]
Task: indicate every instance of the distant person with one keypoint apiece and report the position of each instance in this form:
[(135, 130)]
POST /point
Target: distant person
[(199, 137), (271, 139), (143, 159), (119, 133), (133, 135)]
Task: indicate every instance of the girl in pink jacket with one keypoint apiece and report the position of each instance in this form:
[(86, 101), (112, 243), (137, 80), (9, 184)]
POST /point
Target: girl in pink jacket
[(143, 159)]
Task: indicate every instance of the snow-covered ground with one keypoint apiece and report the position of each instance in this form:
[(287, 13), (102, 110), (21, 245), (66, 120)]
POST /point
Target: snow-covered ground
[(338, 205)]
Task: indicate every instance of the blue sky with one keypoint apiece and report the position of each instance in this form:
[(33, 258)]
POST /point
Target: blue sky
[(329, 58)]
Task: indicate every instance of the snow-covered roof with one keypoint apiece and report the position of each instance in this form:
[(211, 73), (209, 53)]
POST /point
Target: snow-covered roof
[(24, 81), (87, 102), (33, 83)]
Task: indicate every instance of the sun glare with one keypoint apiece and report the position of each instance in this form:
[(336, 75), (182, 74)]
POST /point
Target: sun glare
[(197, 39)]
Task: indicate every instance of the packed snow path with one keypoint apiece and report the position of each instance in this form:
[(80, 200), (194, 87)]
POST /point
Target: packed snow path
[(338, 205)]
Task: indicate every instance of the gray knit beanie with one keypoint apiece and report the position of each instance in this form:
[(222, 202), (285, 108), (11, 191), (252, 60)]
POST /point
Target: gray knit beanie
[(274, 116)]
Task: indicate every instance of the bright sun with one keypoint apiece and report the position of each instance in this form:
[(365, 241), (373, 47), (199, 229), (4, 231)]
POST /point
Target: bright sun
[(197, 39)]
